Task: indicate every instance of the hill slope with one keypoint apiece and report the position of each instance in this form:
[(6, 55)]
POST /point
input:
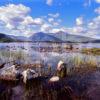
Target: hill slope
[(72, 38), (5, 38), (43, 37)]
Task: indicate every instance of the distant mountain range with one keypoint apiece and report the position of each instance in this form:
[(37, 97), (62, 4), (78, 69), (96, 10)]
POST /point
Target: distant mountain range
[(41, 37), (11, 38), (48, 37), (65, 37), (5, 38), (61, 37)]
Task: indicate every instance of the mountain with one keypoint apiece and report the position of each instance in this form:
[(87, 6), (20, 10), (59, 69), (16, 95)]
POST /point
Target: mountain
[(5, 38), (51, 37), (19, 38), (97, 41), (44, 37), (11, 38), (65, 37)]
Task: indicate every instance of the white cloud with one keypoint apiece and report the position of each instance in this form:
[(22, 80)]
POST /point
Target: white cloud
[(56, 30), (91, 28), (94, 27), (98, 1), (97, 10), (56, 24), (16, 18), (79, 21), (54, 15), (49, 2), (12, 15), (51, 20), (28, 20), (46, 28), (38, 21), (9, 26)]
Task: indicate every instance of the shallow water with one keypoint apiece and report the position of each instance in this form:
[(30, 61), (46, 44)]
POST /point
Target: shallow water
[(29, 53)]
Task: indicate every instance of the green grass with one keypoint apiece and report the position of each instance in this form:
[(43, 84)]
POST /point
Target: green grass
[(95, 51), (12, 55)]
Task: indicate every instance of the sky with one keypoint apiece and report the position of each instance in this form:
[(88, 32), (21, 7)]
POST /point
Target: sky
[(26, 17)]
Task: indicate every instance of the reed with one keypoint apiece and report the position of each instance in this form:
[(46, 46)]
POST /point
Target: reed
[(94, 51)]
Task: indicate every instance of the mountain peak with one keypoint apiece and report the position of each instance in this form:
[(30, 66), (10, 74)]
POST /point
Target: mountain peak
[(44, 37)]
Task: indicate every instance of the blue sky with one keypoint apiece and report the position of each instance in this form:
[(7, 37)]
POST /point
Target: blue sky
[(26, 17)]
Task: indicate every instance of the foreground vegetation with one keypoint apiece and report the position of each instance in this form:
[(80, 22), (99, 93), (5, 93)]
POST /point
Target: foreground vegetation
[(81, 83)]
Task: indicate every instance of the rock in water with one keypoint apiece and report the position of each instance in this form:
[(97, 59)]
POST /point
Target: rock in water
[(29, 74), (59, 66), (10, 71), (54, 79), (61, 69)]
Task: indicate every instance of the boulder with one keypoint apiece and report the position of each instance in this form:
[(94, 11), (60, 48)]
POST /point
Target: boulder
[(29, 74)]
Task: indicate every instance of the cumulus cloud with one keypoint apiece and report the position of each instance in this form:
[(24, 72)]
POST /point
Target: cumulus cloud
[(54, 15), (51, 20), (16, 19), (98, 1), (62, 29), (97, 10), (38, 21), (28, 20), (79, 21), (95, 23), (49, 2), (12, 14), (46, 28), (91, 28), (9, 26), (54, 22)]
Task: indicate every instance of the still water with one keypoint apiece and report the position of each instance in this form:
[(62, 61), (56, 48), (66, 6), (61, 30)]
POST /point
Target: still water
[(29, 53)]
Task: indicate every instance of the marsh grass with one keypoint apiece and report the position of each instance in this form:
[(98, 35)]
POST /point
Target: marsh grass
[(73, 61), (94, 51), (7, 56)]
